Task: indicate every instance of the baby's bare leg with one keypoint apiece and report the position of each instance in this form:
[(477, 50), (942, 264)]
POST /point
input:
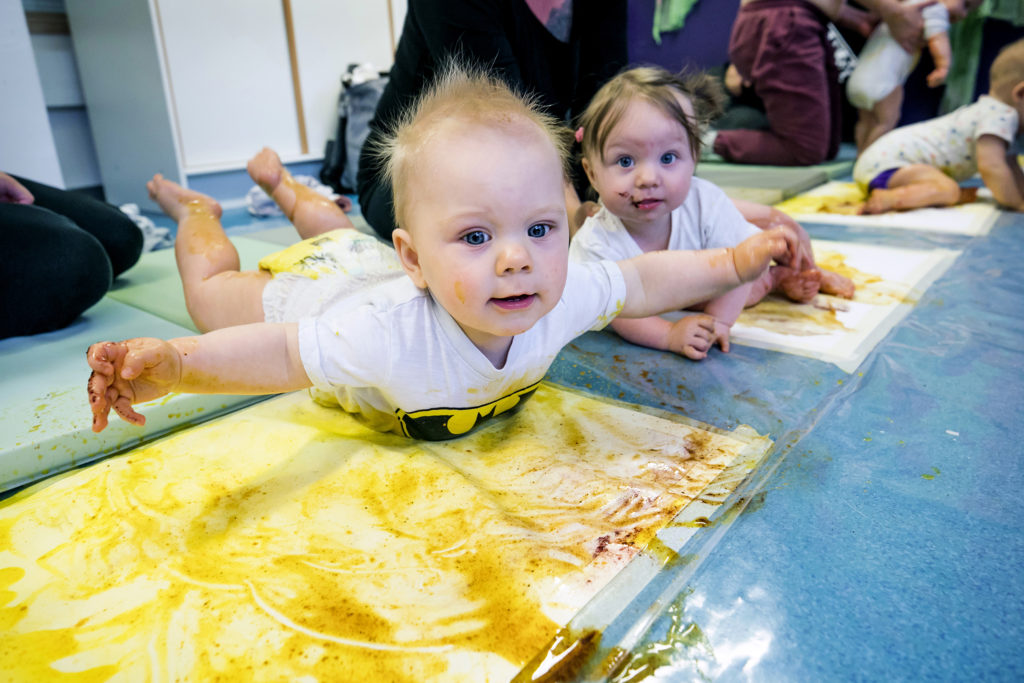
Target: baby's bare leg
[(914, 187), (309, 211), (884, 117), (865, 123), (217, 294)]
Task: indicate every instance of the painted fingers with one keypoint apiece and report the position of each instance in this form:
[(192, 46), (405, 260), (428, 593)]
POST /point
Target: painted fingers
[(754, 254), (109, 385)]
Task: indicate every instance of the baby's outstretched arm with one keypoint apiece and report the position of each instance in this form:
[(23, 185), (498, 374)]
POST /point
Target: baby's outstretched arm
[(691, 336), (1001, 172), (262, 358), (661, 281)]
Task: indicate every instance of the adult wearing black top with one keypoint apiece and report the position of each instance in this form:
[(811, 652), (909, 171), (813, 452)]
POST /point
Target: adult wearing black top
[(559, 50), (60, 251)]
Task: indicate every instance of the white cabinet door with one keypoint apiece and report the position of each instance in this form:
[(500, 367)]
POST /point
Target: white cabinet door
[(330, 35), (230, 79)]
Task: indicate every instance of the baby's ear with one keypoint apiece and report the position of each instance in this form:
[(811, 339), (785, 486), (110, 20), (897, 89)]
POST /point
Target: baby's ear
[(586, 169), (1018, 92), (408, 256)]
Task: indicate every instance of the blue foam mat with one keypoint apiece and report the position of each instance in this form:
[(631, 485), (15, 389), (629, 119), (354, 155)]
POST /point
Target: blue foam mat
[(44, 408)]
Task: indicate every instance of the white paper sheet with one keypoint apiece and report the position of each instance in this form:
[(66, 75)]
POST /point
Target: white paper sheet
[(889, 283)]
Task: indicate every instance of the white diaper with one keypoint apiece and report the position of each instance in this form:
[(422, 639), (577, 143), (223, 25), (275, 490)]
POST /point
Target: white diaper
[(313, 274)]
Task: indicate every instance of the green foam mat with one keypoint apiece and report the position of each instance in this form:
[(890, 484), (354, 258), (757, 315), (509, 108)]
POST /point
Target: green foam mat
[(153, 284), (766, 184)]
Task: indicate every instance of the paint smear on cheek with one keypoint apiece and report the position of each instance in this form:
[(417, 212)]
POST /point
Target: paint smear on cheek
[(460, 291)]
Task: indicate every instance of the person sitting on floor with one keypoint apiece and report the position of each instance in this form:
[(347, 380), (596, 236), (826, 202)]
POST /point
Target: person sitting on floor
[(641, 143), (489, 300), (780, 48), (922, 164)]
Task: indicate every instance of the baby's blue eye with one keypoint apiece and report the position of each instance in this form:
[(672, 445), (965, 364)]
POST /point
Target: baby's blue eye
[(668, 157), (475, 238), (625, 162), (538, 230)]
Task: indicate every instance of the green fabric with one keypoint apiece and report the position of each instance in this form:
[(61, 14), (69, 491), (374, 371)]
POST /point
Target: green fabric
[(670, 15), (965, 41), (1006, 10)]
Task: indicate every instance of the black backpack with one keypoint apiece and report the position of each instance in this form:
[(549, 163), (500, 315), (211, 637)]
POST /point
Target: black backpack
[(356, 106)]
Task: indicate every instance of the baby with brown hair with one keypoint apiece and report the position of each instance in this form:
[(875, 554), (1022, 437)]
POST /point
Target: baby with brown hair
[(641, 143)]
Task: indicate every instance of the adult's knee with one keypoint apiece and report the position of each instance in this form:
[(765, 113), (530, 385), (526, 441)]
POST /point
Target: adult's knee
[(809, 150), (121, 238), (54, 271)]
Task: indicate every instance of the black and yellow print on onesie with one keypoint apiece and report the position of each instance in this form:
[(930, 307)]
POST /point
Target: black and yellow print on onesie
[(438, 424)]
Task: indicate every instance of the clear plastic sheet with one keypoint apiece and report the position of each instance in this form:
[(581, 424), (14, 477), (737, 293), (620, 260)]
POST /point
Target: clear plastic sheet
[(882, 538)]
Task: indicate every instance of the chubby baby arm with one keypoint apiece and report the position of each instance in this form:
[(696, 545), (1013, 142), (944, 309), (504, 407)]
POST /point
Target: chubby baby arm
[(262, 358), (661, 281), (691, 336), (1000, 172)]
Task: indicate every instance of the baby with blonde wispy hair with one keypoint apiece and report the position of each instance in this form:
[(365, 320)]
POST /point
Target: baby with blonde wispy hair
[(487, 301)]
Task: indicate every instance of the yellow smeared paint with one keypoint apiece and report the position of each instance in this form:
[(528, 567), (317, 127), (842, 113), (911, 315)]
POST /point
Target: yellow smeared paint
[(788, 317), (288, 541), (845, 199)]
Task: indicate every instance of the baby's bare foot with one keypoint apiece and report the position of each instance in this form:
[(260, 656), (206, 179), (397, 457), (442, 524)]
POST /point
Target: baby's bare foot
[(177, 201), (968, 195), (878, 202), (836, 284), (266, 170), (797, 286)]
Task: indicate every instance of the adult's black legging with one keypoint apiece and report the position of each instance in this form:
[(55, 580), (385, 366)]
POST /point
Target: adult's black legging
[(60, 255)]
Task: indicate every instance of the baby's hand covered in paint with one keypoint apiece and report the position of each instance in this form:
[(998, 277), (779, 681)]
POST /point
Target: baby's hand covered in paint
[(754, 254), (129, 372), (692, 336)]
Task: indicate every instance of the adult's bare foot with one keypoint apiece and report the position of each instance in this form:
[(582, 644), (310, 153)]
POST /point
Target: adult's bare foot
[(836, 284), (177, 201)]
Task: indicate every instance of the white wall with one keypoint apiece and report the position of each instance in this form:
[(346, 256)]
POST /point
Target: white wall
[(26, 140)]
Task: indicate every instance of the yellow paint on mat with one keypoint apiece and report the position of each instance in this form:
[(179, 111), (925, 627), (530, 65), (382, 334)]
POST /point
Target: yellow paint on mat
[(782, 316), (288, 542), (845, 199)]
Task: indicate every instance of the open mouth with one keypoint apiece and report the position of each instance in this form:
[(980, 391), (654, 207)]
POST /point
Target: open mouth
[(514, 302), (647, 204)]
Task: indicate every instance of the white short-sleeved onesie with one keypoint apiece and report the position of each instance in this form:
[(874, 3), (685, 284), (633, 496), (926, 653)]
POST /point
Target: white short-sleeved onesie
[(947, 142), (707, 219), (393, 356)]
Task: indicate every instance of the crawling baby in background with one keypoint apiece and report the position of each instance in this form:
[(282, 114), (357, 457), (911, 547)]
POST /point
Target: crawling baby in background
[(487, 299), (640, 138), (923, 164)]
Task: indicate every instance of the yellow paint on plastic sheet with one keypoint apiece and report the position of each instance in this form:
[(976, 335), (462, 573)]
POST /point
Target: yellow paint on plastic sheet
[(287, 542), (838, 203), (888, 281)]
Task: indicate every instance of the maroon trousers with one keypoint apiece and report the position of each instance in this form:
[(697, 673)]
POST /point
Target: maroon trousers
[(781, 47)]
